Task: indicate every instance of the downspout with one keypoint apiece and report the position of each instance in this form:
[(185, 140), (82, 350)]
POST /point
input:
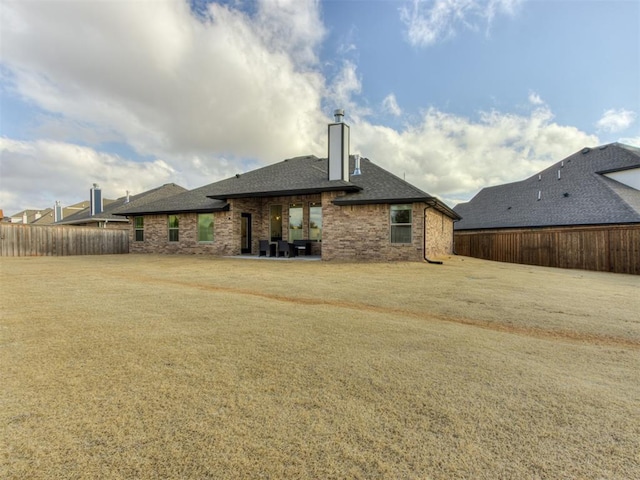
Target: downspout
[(454, 238), (424, 236)]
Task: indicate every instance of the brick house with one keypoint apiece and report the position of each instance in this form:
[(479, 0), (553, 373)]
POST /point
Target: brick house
[(99, 212), (343, 207)]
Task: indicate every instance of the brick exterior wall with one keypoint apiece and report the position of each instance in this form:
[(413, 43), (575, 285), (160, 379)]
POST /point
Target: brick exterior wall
[(350, 233), (439, 234), (156, 236)]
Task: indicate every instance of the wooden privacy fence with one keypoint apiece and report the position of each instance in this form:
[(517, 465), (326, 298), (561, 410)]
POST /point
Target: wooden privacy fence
[(18, 240), (610, 249)]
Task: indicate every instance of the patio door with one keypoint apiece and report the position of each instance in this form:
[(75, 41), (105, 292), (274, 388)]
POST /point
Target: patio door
[(245, 233)]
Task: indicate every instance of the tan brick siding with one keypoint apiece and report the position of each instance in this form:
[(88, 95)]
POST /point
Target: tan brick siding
[(439, 238), (156, 236), (350, 233)]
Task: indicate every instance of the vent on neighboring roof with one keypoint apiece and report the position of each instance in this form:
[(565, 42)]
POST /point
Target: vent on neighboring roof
[(57, 212), (539, 194), (96, 200), (586, 150)]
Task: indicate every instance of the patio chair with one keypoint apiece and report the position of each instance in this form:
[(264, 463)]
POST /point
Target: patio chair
[(285, 248), (266, 249)]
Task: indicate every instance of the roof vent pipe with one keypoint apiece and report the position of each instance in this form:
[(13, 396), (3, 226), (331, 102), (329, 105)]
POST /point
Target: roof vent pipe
[(57, 212), (356, 170)]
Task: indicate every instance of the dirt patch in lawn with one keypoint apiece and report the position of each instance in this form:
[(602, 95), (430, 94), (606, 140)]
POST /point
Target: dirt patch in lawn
[(140, 366)]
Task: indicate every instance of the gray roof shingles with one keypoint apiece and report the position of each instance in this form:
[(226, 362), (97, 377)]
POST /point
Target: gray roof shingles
[(582, 195), (110, 210), (297, 176)]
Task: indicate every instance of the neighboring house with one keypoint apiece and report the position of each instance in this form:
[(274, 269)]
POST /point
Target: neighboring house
[(581, 212), (30, 216), (50, 217), (46, 216), (98, 212), (342, 206)]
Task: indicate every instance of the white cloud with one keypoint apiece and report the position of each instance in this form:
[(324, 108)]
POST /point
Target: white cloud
[(534, 99), (616, 120), (453, 157), (343, 88), (166, 82), (429, 22), (210, 96), (633, 141), (41, 172), (390, 105)]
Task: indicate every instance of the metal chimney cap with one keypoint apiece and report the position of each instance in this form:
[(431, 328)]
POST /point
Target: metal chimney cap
[(338, 114)]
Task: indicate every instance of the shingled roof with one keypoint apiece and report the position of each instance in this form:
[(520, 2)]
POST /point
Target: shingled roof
[(573, 191), (110, 208), (296, 176)]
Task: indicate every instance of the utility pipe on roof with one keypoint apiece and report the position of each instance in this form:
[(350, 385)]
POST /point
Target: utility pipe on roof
[(424, 236)]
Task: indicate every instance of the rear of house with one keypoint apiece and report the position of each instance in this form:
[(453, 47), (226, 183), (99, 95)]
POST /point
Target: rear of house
[(342, 207)]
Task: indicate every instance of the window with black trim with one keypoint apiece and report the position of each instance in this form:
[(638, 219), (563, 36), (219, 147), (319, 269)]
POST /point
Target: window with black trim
[(275, 224), (205, 227), (174, 223), (295, 222), (400, 223), (138, 228), (315, 221)]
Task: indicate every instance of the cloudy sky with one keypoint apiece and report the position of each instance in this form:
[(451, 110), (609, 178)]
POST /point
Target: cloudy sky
[(453, 95)]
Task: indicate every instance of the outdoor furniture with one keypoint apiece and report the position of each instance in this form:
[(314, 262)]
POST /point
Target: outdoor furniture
[(267, 249), (302, 245), (285, 248)]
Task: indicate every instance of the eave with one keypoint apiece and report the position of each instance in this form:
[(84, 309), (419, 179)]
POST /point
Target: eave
[(172, 211), (287, 193)]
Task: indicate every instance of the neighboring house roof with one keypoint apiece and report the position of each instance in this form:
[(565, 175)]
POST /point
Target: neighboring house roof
[(32, 216), (110, 207), (574, 191), (66, 212), (296, 176)]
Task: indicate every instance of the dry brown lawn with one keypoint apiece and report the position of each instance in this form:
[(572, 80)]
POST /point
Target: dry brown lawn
[(141, 366)]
